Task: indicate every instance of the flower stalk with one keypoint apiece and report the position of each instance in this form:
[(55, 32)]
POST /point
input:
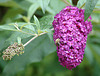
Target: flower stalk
[(67, 3)]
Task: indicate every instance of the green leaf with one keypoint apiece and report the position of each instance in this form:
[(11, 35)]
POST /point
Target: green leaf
[(54, 66), (34, 52), (57, 5), (97, 48), (32, 9), (10, 14), (44, 4), (8, 3), (96, 70), (80, 3), (3, 37), (89, 6), (41, 5), (36, 22), (50, 34), (11, 27), (96, 55), (98, 5), (23, 4), (88, 54), (8, 27), (95, 18), (13, 37), (32, 1), (27, 26), (24, 25), (46, 21), (18, 16), (51, 11)]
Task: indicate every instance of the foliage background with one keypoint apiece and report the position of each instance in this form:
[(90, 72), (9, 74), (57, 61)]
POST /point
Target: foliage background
[(40, 58)]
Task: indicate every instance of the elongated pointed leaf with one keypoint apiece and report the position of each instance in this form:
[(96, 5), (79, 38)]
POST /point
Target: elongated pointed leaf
[(37, 23), (32, 10), (45, 4), (89, 6), (41, 5), (8, 27)]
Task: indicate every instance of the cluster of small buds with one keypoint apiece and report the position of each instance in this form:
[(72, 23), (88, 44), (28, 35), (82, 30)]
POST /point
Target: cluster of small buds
[(12, 50), (70, 35)]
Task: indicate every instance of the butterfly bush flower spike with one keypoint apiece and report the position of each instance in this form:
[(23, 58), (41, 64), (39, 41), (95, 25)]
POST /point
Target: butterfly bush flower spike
[(71, 31), (12, 50)]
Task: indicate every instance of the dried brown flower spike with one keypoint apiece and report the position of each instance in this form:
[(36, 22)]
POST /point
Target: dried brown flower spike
[(12, 50)]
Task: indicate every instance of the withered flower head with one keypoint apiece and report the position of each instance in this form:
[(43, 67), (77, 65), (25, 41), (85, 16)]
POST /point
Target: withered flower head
[(12, 50)]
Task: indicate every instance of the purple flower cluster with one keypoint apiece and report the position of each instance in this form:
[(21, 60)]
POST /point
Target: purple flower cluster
[(71, 31)]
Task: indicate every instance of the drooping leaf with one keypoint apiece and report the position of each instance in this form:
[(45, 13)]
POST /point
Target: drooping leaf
[(7, 27), (89, 6), (32, 10), (34, 52)]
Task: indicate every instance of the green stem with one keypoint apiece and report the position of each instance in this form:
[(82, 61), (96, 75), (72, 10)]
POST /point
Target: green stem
[(26, 33), (67, 2), (16, 26), (82, 5), (30, 40), (35, 37)]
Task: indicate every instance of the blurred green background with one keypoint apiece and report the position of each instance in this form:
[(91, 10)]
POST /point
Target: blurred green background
[(40, 57)]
